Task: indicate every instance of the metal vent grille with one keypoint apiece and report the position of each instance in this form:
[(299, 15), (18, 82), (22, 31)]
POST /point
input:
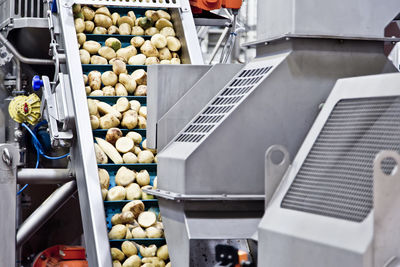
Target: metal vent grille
[(29, 8), (222, 104), (336, 179), (134, 3)]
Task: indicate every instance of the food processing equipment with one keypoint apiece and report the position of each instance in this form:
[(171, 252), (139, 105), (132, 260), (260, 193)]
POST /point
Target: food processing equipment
[(336, 204), (211, 173)]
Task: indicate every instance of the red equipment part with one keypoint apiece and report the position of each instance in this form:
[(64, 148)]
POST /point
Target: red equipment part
[(208, 5), (61, 256)]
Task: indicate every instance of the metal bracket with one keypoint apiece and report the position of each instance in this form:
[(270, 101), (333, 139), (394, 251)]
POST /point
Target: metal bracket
[(184, 197), (274, 171), (5, 56), (57, 110)]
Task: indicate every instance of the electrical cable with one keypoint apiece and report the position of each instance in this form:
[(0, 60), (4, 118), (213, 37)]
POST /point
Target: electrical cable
[(39, 149)]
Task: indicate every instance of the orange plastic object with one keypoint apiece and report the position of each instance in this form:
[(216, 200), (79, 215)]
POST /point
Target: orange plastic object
[(243, 256), (233, 4), (61, 256), (215, 4)]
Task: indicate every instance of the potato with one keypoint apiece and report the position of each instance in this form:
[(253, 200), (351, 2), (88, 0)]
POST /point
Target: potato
[(175, 55), (117, 232), (175, 61), (85, 56), (140, 76), (144, 146), (151, 31), (98, 60), (96, 93), (159, 225), (105, 108), (155, 161), (110, 150), (153, 232), (137, 41), (124, 175), (148, 49), (135, 105), (88, 13), (135, 206), (79, 25), (168, 31), (101, 157), (128, 248), (113, 30), (128, 235), (147, 219), (152, 14), (132, 261), (133, 191), (81, 37), (120, 90), (165, 54), (145, 156), (119, 67), (104, 178), (162, 23), (163, 14), (117, 254), (162, 253), (115, 17), (173, 43), (94, 122), (124, 145), (89, 26), (136, 150), (122, 218), (108, 121), (104, 193), (139, 59), (152, 61), (159, 41), (109, 78), (143, 178), (113, 43), (116, 193), (123, 104), (152, 262), (103, 10), (146, 196), (136, 137), (168, 264), (102, 20), (142, 122), (108, 91), (137, 30), (130, 119), (128, 82), (100, 30), (91, 46), (113, 134), (107, 52), (165, 62), (124, 29), (127, 52), (129, 158), (76, 8), (132, 15), (116, 264), (149, 251), (92, 106), (126, 19), (141, 90)]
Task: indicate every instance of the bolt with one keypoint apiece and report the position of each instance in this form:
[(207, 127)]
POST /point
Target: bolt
[(7, 158)]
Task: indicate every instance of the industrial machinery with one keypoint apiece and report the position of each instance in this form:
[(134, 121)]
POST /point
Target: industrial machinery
[(211, 164), (337, 202)]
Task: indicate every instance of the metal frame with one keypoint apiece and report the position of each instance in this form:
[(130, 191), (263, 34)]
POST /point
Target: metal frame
[(136, 3), (276, 229)]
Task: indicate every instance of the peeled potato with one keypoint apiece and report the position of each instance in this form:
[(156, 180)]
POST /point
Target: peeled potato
[(133, 191), (135, 206), (94, 122), (109, 78), (138, 232), (129, 158), (143, 178), (142, 122), (107, 52), (120, 90), (125, 176), (153, 232), (135, 105), (84, 56), (104, 178), (143, 111), (145, 195), (123, 104), (116, 193), (136, 137), (149, 251), (141, 90), (147, 219), (124, 144), (101, 157)]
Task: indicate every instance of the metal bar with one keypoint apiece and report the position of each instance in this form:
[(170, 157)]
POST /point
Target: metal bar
[(44, 212), (31, 61), (218, 45), (44, 176)]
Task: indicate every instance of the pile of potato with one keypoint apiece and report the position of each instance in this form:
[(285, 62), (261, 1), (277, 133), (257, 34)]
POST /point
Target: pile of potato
[(124, 113), (117, 82), (129, 184), (151, 255), (123, 149), (162, 48)]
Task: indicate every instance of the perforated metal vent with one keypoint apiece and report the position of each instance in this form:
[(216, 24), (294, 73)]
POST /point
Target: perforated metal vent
[(134, 3), (336, 179), (222, 104)]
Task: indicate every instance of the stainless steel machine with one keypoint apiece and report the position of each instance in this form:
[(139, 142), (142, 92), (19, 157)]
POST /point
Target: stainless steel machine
[(211, 173), (337, 202)]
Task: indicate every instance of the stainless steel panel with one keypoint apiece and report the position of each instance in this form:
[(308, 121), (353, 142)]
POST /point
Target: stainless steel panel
[(342, 18), (162, 81), (177, 117), (82, 152)]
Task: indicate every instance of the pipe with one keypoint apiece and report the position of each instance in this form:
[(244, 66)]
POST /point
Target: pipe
[(44, 176), (218, 45), (44, 212), (31, 61)]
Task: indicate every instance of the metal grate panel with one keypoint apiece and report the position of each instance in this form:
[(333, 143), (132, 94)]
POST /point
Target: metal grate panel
[(134, 3), (222, 104), (29, 8), (336, 178)]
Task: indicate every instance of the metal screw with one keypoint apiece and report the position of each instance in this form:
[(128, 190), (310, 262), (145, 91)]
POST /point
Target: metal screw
[(7, 158)]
